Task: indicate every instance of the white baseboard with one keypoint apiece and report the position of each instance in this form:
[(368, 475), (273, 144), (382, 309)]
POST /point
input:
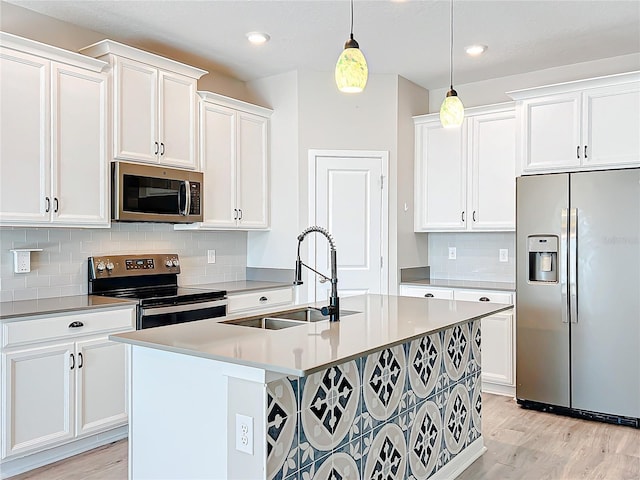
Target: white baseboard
[(461, 462), (10, 467), (497, 389)]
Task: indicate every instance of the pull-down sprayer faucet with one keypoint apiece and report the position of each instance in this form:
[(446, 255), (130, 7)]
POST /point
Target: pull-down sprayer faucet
[(333, 310)]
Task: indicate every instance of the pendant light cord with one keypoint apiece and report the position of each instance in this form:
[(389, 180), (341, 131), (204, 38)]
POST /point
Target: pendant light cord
[(450, 50), (351, 19)]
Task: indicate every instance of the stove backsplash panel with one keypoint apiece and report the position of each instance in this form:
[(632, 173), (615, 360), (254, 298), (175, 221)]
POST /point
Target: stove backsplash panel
[(61, 268)]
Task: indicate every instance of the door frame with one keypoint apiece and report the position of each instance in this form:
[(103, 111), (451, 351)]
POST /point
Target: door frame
[(383, 155)]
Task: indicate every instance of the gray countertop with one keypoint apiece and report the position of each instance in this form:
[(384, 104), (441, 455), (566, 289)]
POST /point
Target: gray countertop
[(26, 308), (471, 284), (241, 286), (380, 321)]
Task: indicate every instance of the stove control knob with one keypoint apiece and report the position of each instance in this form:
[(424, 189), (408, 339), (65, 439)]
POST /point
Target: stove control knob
[(110, 266), (100, 266), (175, 262), (168, 263)]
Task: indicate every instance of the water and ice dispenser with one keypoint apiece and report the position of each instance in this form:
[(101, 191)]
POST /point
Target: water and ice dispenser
[(543, 258)]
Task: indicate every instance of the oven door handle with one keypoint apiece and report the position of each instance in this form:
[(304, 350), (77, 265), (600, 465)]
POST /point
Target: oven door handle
[(187, 307)]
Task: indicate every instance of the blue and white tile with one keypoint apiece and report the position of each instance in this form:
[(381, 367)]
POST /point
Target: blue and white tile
[(386, 456), (456, 419), (474, 386), (282, 429), (339, 466), (424, 367), (475, 357), (456, 346), (384, 382), (424, 442)]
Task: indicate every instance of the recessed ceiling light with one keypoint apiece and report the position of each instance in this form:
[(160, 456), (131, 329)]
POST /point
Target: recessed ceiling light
[(258, 38), (475, 50)]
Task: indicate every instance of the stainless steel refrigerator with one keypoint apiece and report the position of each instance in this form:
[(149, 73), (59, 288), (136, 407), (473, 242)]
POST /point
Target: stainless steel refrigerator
[(578, 293)]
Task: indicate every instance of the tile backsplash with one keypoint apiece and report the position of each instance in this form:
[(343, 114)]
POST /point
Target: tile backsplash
[(477, 256), (61, 268)]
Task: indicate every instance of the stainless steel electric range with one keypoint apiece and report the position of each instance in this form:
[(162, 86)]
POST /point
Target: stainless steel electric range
[(152, 280)]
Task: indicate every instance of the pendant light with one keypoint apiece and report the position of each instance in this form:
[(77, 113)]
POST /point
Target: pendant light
[(351, 68), (451, 110)]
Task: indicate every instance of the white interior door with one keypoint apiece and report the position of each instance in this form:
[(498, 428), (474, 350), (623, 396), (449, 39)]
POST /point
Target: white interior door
[(349, 199)]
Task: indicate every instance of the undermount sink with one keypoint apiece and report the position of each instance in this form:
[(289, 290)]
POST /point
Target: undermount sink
[(266, 323), (286, 319)]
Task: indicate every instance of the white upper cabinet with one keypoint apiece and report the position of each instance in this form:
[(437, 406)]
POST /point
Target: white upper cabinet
[(154, 105), (53, 123), (587, 124), (465, 177), (234, 158)]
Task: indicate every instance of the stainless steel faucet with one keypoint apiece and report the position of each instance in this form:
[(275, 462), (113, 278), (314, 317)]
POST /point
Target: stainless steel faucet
[(333, 310)]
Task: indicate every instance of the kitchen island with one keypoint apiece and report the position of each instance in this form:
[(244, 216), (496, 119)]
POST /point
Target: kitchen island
[(393, 388)]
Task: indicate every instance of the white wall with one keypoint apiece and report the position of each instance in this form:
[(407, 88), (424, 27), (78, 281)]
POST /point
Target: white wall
[(277, 247), (494, 90), (412, 248)]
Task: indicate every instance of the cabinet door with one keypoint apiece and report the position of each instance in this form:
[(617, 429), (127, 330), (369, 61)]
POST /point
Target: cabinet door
[(37, 398), (611, 122), (218, 153), (440, 170), (252, 166), (135, 111), (101, 389), (24, 132), (497, 349), (493, 176), (551, 132), (79, 160), (177, 120)]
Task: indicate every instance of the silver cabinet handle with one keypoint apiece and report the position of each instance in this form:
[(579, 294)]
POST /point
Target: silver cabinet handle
[(48, 203), (157, 148), (573, 265), (73, 361)]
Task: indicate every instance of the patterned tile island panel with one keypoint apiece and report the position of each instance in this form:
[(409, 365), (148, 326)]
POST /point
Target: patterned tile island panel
[(400, 413)]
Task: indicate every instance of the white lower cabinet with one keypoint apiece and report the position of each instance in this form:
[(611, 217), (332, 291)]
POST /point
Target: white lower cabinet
[(62, 382), (259, 299), (498, 333)]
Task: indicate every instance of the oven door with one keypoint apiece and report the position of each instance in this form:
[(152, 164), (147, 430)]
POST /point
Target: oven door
[(149, 193), (158, 316)]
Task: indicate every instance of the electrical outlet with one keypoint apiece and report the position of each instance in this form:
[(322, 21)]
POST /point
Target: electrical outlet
[(452, 253), (244, 433), (211, 256), (504, 255)]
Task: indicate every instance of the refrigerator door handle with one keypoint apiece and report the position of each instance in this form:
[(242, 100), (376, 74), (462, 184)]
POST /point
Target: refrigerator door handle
[(573, 265), (563, 259)]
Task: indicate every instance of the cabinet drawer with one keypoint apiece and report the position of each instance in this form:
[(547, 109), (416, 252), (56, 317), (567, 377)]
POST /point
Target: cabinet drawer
[(257, 299), (429, 292), (45, 328), (481, 295)]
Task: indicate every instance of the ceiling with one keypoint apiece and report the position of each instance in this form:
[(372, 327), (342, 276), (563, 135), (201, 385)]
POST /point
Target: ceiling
[(409, 38)]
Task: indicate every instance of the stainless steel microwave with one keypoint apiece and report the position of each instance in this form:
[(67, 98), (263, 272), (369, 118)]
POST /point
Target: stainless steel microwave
[(150, 193)]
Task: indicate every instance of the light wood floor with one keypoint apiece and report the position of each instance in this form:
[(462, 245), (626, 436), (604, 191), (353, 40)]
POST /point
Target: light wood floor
[(522, 444)]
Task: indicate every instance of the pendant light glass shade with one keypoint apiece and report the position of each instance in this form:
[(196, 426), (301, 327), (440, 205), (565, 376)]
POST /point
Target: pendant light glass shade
[(351, 68), (452, 109)]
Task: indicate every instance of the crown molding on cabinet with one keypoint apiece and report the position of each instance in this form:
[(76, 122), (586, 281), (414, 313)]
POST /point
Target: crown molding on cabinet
[(235, 103), (8, 40), (105, 47)]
